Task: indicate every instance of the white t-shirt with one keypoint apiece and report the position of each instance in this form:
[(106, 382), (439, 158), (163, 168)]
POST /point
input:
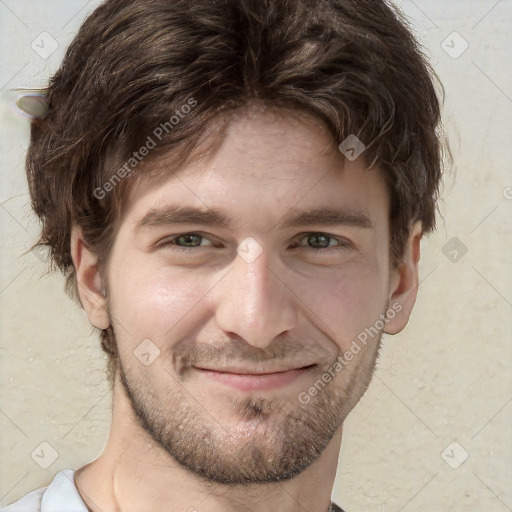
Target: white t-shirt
[(61, 495)]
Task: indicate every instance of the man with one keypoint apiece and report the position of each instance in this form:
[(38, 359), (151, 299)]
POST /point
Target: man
[(236, 192)]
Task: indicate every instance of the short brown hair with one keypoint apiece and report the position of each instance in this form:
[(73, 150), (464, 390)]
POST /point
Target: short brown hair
[(134, 64)]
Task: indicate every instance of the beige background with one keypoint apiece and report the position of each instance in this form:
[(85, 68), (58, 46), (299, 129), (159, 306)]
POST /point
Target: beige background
[(445, 379)]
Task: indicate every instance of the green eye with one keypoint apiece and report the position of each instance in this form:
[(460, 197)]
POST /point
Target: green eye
[(325, 239), (185, 242), (185, 238)]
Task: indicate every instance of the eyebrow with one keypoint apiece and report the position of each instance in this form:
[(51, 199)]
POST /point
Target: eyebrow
[(326, 216)]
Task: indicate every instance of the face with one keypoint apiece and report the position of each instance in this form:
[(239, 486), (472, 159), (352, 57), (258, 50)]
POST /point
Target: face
[(249, 308)]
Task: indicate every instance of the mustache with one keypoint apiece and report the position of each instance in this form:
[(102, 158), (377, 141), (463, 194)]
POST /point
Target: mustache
[(188, 353)]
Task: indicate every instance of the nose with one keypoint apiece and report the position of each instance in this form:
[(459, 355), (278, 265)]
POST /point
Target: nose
[(254, 302)]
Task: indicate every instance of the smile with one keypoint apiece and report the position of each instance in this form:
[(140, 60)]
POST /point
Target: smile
[(254, 381)]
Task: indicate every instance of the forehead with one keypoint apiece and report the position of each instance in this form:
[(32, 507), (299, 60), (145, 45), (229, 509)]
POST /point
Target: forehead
[(267, 159)]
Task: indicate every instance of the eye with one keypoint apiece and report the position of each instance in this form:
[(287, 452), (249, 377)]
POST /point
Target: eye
[(190, 241), (326, 240), (185, 242)]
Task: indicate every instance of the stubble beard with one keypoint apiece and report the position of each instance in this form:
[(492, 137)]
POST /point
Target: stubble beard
[(273, 440)]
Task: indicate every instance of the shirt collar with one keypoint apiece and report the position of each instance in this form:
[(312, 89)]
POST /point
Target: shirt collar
[(62, 495)]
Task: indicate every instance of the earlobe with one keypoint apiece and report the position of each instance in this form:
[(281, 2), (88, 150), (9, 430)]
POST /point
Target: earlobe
[(90, 285), (404, 283)]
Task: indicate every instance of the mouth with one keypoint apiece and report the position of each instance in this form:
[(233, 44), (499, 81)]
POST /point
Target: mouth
[(245, 379), (245, 370)]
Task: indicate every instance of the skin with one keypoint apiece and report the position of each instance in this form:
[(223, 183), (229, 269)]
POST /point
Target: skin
[(182, 441)]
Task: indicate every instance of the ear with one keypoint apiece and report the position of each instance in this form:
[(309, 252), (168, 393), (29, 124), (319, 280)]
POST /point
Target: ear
[(91, 289), (404, 283)]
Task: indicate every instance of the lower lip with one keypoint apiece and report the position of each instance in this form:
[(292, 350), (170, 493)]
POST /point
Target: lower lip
[(250, 382)]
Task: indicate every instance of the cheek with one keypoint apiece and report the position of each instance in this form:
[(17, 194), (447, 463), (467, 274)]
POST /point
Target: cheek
[(146, 299), (163, 303), (346, 302)]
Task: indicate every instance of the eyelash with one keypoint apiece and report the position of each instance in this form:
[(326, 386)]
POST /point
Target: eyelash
[(342, 243)]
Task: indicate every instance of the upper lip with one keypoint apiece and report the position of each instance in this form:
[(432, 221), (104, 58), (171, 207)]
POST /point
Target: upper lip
[(253, 371)]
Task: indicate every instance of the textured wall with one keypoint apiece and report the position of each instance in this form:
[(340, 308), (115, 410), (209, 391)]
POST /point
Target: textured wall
[(445, 379)]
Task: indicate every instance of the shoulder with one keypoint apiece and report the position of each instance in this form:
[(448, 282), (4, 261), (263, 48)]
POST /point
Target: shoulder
[(31, 502)]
